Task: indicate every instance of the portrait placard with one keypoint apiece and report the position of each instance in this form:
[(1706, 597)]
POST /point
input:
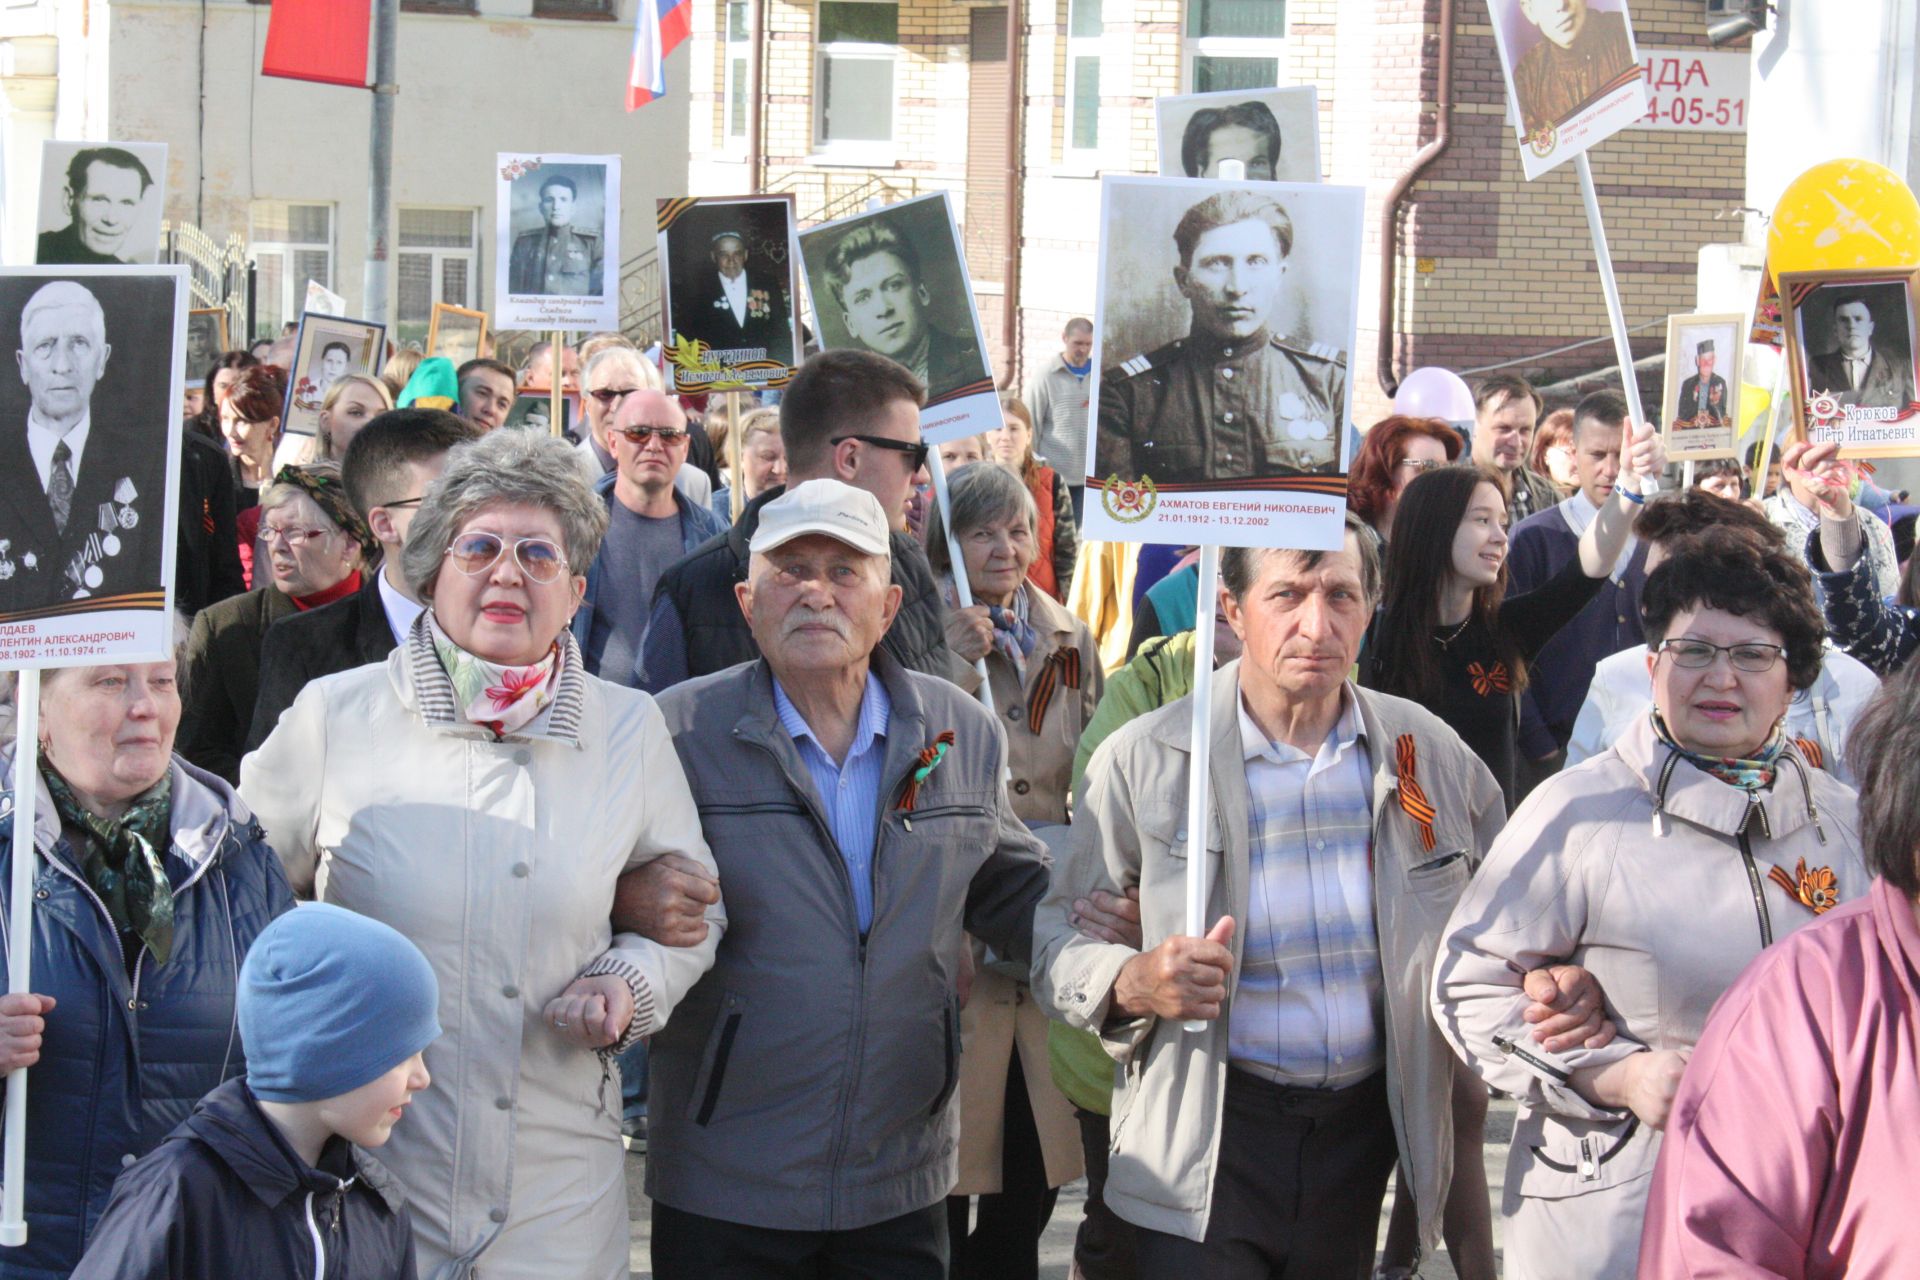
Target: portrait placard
[(456, 333), (1700, 405), (206, 339), (101, 203), (1224, 317), (328, 349), (1274, 132), (895, 281), (533, 411), (557, 256), (1573, 75), (322, 301), (729, 290), (1851, 355), (90, 462)]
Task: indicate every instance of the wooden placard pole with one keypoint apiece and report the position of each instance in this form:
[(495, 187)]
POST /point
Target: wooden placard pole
[(1610, 289), (961, 587), (1771, 428), (736, 486), (555, 423), (26, 794)]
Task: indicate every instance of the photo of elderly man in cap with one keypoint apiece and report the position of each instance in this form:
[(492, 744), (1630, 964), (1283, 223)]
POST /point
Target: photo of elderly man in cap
[(740, 302), (557, 257), (1703, 396), (110, 209)]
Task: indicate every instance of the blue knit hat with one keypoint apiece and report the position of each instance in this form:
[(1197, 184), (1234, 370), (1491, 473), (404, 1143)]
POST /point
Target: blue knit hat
[(330, 1000)]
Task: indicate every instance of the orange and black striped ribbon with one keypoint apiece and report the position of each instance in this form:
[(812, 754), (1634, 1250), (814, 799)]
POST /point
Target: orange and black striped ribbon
[(1412, 798), (1063, 668), (1811, 750), (930, 758)]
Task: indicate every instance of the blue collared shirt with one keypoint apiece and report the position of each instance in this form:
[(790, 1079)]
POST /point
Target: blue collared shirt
[(849, 793)]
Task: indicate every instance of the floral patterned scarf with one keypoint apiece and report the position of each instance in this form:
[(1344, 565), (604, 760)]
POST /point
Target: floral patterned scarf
[(121, 859), (499, 698), (1754, 774)]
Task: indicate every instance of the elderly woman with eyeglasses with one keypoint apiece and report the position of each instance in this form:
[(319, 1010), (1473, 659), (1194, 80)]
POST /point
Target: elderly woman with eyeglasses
[(316, 545), (480, 792), (1663, 866)]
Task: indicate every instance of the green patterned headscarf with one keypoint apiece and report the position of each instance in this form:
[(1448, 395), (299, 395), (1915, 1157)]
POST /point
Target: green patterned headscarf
[(121, 860)]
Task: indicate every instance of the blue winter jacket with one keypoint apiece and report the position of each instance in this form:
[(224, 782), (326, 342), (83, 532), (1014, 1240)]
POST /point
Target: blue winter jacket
[(124, 1059)]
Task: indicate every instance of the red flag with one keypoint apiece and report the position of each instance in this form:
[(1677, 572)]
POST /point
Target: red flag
[(324, 40)]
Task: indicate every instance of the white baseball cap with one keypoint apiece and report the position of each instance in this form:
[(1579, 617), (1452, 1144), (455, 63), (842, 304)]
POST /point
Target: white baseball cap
[(830, 507)]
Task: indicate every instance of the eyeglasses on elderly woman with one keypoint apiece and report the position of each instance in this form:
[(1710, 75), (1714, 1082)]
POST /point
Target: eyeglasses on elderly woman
[(475, 553)]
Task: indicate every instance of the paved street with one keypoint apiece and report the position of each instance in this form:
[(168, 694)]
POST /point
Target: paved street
[(1056, 1248)]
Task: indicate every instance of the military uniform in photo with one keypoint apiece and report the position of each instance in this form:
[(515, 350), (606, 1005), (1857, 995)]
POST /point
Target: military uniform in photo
[(88, 531), (562, 261), (1205, 410), (759, 316), (1552, 83), (1873, 382), (946, 363), (65, 248)]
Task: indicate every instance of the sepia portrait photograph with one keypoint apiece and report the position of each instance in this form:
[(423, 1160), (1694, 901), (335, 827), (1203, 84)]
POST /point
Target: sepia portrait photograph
[(101, 203), (1225, 321), (1851, 352), (89, 448), (729, 284), (1700, 401), (895, 281), (1275, 133), (328, 349), (1573, 75), (557, 256), (206, 340), (457, 333)]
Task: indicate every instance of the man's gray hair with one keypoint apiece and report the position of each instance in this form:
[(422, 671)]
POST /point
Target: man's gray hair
[(1240, 566), (980, 493), (60, 295), (504, 468), (645, 372)]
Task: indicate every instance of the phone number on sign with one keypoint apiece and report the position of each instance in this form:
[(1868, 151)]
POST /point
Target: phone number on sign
[(1684, 113)]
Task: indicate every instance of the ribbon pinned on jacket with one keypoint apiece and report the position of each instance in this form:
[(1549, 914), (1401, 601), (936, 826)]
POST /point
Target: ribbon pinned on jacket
[(1412, 799), (1811, 750), (930, 758), (1062, 668), (1486, 683)]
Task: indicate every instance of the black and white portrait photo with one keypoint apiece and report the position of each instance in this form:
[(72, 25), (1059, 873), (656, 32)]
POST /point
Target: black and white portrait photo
[(729, 272), (329, 348), (1275, 133), (458, 333), (533, 411), (100, 202), (558, 252), (1702, 390), (88, 447), (206, 340), (1573, 75), (1851, 344), (894, 281), (1226, 317)]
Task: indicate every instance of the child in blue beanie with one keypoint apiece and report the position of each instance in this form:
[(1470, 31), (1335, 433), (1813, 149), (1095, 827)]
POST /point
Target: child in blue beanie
[(269, 1176)]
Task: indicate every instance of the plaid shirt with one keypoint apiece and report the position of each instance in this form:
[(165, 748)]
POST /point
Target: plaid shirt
[(1307, 1010)]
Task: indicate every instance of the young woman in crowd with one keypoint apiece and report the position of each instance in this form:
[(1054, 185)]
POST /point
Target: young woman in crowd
[(763, 461), (250, 408), (1057, 532), (351, 402), (1664, 866), (155, 882), (1393, 452)]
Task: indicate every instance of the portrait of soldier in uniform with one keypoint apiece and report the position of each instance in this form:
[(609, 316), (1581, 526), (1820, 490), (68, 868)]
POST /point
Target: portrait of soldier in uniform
[(1233, 400), (111, 212), (558, 257), (1580, 51), (83, 504), (875, 279), (1867, 367), (1703, 396)]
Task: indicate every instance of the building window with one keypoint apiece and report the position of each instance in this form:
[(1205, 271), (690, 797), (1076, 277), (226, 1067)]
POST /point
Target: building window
[(573, 8), (1234, 44), (739, 46), (858, 46), (436, 261), (292, 244), (1084, 29)]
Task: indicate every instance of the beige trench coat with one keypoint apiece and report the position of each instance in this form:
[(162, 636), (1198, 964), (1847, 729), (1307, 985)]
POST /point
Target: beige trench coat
[(1001, 1014), (499, 860)]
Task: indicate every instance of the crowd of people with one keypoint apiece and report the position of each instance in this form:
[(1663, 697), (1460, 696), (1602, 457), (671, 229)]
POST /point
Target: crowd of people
[(700, 782)]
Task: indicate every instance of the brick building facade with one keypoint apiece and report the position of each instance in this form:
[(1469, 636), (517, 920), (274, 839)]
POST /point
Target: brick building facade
[(867, 99)]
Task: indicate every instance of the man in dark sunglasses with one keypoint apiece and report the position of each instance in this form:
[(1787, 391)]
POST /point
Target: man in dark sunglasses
[(651, 525), (848, 415)]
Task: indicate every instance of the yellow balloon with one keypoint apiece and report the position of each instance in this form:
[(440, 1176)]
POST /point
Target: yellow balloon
[(1844, 214), (1753, 403)]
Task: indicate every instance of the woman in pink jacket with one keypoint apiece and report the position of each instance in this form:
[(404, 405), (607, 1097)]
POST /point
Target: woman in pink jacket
[(1790, 1147)]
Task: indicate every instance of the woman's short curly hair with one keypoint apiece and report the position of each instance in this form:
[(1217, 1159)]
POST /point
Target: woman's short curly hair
[(1732, 572), (504, 468)]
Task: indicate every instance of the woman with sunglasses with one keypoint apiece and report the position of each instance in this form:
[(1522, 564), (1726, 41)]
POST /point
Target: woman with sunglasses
[(482, 793), (1663, 865), (1391, 454), (315, 547)]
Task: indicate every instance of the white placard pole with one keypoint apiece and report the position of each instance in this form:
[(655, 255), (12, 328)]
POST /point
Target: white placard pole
[(961, 587), (1686, 474), (26, 792), (1200, 763), (1622, 349), (1770, 427)]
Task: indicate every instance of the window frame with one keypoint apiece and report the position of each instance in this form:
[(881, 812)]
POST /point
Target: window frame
[(1193, 48), (293, 295), (730, 49), (438, 255), (1079, 48), (861, 152)]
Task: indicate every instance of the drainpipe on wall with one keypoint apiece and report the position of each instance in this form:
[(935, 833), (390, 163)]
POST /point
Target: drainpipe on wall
[(1397, 194), (1010, 304)]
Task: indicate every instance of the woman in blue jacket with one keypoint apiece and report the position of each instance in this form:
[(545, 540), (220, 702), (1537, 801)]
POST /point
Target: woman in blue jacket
[(154, 880)]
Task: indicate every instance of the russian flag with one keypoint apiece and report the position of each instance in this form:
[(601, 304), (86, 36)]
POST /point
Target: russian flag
[(659, 27)]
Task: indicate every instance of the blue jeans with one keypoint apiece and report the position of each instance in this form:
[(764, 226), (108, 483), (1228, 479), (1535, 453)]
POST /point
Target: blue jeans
[(633, 1082)]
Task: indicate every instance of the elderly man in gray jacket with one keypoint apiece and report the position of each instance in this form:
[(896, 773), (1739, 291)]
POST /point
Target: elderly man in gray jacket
[(801, 1117), (1345, 825)]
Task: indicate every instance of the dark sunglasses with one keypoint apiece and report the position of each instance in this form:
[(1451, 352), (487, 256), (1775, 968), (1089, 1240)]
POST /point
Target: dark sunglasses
[(916, 453), (607, 395), (669, 436)]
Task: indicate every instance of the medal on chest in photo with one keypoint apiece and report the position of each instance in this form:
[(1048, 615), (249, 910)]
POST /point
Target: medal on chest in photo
[(86, 567)]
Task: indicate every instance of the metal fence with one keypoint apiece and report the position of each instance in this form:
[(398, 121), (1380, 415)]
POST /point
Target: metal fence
[(218, 274)]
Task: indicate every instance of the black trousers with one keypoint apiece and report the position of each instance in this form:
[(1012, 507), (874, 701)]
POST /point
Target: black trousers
[(688, 1246), (1296, 1191), (1005, 1241), (1103, 1248)]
